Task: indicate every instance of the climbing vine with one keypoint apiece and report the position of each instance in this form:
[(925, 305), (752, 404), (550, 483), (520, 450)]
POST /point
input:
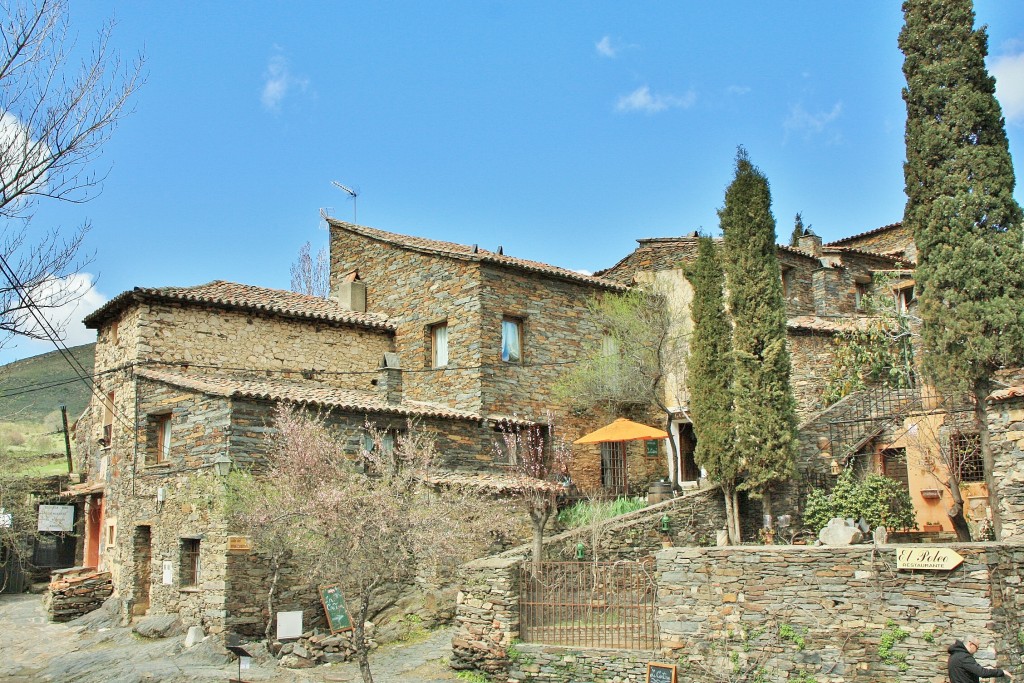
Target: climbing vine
[(878, 351), (892, 636)]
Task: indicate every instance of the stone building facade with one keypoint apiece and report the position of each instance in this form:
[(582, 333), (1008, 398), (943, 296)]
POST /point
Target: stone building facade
[(1006, 426)]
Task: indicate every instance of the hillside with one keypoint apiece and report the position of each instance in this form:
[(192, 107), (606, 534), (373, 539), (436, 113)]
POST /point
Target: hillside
[(32, 388)]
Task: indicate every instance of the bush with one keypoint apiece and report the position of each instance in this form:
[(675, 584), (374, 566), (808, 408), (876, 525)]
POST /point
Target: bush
[(881, 501), (586, 512)]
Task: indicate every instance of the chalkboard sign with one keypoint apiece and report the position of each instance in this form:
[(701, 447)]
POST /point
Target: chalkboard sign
[(334, 608), (661, 673)]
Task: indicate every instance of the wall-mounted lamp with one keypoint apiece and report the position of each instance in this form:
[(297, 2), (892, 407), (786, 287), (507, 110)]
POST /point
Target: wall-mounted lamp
[(835, 467), (581, 551), (664, 527), (222, 465)]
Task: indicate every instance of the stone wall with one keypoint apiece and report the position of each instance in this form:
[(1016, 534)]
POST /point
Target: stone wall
[(823, 612), (810, 359), (1006, 427), (234, 339)]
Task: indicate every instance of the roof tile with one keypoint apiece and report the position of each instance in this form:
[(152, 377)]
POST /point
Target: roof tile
[(221, 293)]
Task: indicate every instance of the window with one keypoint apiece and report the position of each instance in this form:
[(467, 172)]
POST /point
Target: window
[(108, 420), (787, 283), (511, 340), (190, 567), (894, 465), (439, 345), (160, 433), (905, 297), (965, 456), (860, 291), (113, 332), (388, 439)]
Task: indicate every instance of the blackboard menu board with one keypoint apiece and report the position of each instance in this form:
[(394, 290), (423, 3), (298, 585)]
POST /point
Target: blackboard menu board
[(661, 673), (334, 608)]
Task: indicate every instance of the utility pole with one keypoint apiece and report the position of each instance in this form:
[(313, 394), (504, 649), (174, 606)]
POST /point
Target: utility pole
[(67, 437)]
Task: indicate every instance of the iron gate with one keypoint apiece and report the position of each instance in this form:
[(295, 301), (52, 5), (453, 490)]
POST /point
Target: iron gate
[(589, 604)]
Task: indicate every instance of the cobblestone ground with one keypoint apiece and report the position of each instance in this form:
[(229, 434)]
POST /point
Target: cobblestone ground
[(94, 650)]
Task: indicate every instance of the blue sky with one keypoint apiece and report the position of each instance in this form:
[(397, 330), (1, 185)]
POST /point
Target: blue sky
[(562, 131)]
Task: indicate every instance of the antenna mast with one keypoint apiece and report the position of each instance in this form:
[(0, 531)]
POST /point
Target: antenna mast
[(352, 193)]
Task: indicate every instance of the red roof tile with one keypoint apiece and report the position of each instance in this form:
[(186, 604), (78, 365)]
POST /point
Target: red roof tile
[(222, 294), (471, 253), (1007, 394)]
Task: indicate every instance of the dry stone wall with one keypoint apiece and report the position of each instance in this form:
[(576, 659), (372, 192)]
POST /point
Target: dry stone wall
[(827, 613), (235, 339), (1006, 426)]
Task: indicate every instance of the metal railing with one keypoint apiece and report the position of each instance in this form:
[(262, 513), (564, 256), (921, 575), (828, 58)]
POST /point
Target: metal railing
[(868, 414), (589, 604)]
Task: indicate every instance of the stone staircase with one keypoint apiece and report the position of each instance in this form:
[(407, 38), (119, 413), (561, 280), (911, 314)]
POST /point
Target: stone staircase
[(841, 429)]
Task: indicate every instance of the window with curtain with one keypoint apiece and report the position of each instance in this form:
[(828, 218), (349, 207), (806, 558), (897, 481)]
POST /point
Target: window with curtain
[(439, 345), (511, 340)]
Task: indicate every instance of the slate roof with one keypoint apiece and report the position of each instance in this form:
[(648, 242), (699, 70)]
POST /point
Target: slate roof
[(231, 295), (302, 393), (865, 234), (471, 253), (815, 323)]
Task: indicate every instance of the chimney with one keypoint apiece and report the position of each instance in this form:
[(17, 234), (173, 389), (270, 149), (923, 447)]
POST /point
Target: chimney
[(389, 382), (350, 293), (810, 243)]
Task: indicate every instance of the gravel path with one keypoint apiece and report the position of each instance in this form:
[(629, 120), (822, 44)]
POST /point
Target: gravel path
[(94, 650)]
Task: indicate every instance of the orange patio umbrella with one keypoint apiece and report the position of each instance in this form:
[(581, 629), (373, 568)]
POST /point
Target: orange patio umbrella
[(623, 430)]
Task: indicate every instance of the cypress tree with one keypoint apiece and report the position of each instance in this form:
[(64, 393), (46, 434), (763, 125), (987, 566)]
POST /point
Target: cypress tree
[(709, 367), (960, 207), (798, 231), (764, 410)]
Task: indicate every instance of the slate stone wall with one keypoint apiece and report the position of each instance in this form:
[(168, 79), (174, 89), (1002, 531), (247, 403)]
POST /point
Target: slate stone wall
[(1006, 427), (823, 612), (234, 339)]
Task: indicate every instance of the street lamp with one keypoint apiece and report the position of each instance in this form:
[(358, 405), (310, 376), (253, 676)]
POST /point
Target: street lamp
[(222, 465)]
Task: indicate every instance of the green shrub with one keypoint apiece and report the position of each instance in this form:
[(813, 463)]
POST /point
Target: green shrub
[(586, 512), (881, 501)]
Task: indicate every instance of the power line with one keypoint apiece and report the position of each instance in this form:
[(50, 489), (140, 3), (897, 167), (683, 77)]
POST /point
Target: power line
[(52, 335)]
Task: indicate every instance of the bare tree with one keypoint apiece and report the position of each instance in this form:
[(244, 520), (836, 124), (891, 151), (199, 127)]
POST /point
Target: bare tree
[(538, 465), (55, 116), (309, 276), (636, 361), (368, 523)]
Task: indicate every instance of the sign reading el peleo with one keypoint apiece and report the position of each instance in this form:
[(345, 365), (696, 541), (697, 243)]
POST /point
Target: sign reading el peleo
[(941, 559)]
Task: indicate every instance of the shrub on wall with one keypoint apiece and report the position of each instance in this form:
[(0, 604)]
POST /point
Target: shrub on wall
[(881, 501)]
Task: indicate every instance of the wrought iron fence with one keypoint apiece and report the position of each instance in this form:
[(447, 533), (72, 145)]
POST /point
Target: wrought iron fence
[(589, 604)]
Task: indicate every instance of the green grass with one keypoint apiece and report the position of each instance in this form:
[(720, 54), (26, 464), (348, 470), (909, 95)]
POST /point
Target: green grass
[(28, 449), (587, 512), (472, 677), (23, 399)]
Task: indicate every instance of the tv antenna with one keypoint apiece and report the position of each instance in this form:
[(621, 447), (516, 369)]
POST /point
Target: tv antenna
[(352, 193)]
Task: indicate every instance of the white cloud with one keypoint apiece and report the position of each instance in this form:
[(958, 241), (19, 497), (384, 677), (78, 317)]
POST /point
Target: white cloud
[(278, 81), (605, 48), (738, 89), (1009, 72), (16, 145), (643, 100), (66, 317), (802, 121)]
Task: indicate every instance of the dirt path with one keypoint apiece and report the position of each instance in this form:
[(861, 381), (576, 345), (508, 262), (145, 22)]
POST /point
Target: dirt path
[(95, 650)]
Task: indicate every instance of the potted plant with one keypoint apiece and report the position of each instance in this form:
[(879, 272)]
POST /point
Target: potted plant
[(933, 526)]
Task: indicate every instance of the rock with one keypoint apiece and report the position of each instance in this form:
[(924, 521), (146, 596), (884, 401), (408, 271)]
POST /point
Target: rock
[(293, 662), (840, 532), (194, 636), (880, 535), (159, 626), (300, 651), (286, 649)]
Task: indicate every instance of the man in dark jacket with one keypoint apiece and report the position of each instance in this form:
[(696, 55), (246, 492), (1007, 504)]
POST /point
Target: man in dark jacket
[(962, 666)]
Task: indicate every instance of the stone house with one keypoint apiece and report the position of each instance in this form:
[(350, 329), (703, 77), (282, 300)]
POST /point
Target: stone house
[(458, 338), (823, 286)]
